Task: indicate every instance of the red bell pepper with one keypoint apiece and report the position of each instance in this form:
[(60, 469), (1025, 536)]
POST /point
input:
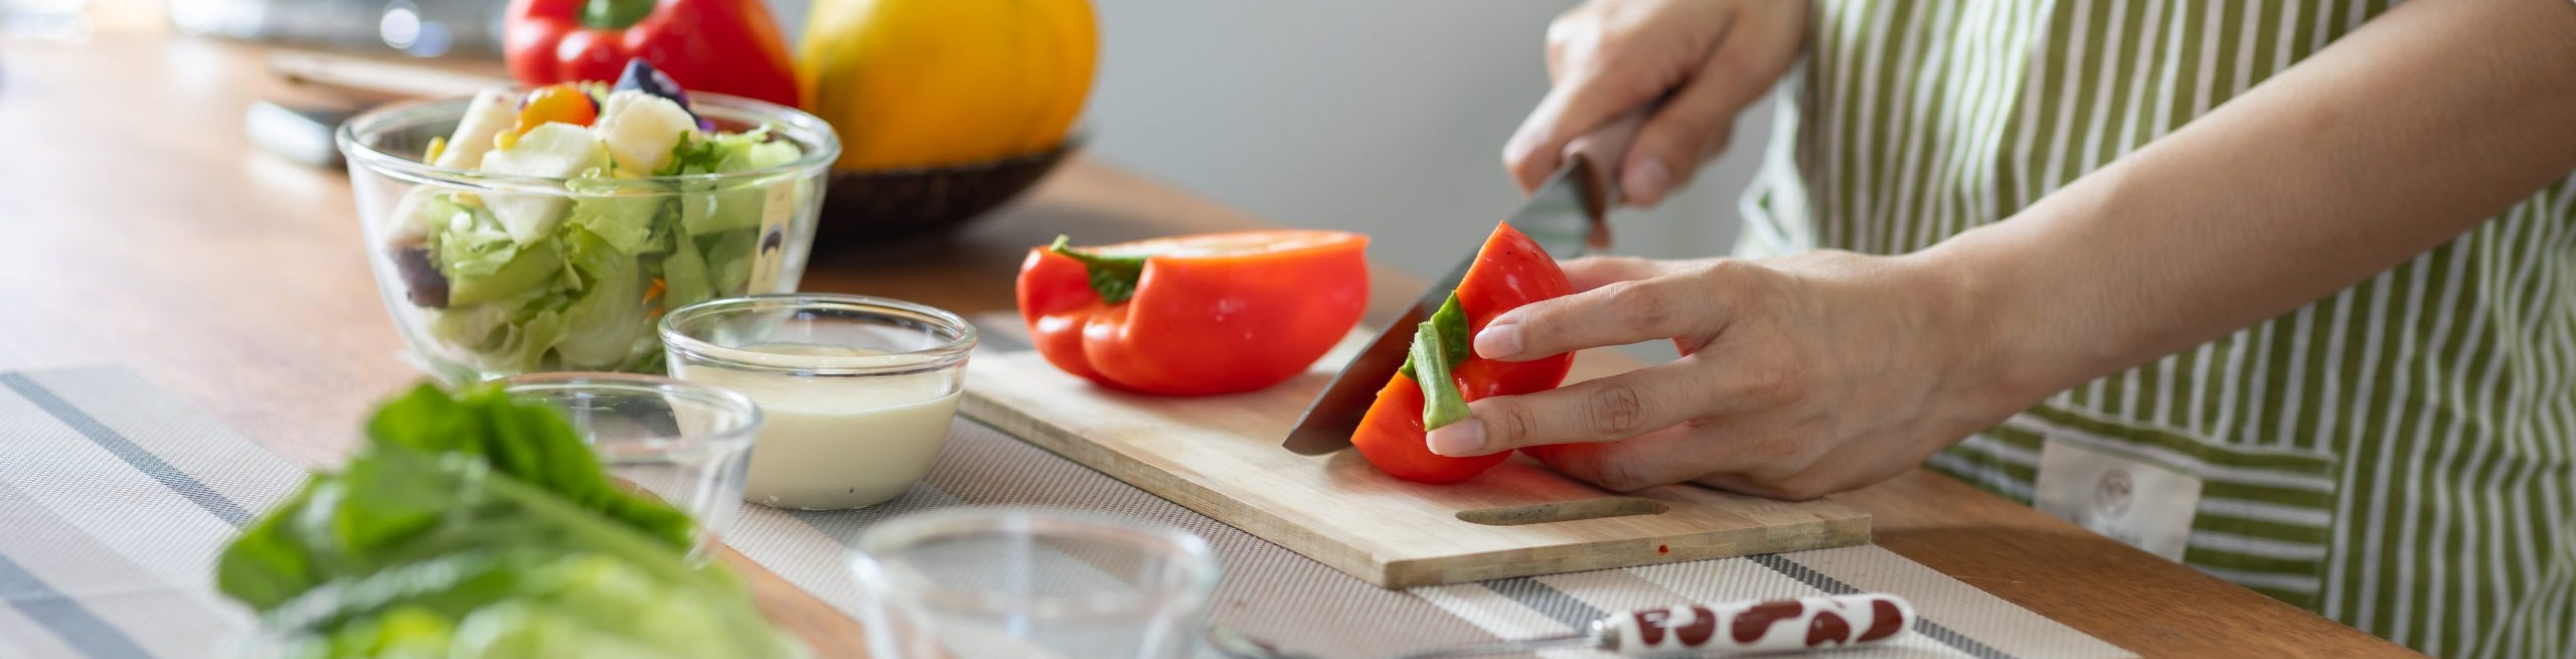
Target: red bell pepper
[(1195, 315), (1509, 272), (723, 46)]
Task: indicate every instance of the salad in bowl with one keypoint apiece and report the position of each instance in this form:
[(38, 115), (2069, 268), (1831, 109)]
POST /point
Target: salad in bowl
[(548, 229)]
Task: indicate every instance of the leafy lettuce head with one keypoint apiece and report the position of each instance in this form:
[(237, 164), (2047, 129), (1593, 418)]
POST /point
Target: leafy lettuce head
[(472, 525)]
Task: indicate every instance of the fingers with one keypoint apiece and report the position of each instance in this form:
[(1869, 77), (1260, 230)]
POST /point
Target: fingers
[(1695, 123), (1587, 96), (1617, 313), (1594, 410), (1567, 37), (1723, 456), (1663, 457), (1592, 272), (1602, 61), (1669, 148), (1685, 454), (1799, 489)]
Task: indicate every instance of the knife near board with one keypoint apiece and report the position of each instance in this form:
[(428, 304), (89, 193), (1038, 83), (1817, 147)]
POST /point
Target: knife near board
[(1222, 456), (1567, 216)]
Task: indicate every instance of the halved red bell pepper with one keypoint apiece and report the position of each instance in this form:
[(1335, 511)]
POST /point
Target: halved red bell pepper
[(1509, 272), (722, 46), (1195, 315)]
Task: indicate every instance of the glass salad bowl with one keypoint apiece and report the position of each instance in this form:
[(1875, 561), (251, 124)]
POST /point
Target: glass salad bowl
[(491, 274)]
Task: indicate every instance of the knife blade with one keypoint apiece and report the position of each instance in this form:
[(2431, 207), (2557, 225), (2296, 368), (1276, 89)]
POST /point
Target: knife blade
[(1565, 216)]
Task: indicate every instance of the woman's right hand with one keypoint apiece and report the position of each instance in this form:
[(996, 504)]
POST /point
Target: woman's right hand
[(1712, 57)]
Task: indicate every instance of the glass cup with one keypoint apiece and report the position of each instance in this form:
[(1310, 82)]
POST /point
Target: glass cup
[(474, 299), (971, 583), (859, 391), (687, 444)]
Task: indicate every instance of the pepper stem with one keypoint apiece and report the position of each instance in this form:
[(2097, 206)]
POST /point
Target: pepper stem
[(615, 14), (1114, 277), (1439, 346)]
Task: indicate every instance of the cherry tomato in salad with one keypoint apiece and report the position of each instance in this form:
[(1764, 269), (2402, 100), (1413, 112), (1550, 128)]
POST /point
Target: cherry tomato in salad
[(566, 104)]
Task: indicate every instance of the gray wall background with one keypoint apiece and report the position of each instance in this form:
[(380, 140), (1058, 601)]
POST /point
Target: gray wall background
[(1381, 117)]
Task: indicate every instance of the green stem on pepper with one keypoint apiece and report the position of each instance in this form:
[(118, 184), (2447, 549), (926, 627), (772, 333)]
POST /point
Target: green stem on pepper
[(1439, 346), (615, 14), (1113, 277)]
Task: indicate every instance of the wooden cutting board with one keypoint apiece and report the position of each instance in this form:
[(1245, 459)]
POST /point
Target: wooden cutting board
[(1221, 457)]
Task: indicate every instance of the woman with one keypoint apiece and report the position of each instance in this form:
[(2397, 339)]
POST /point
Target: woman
[(2277, 288)]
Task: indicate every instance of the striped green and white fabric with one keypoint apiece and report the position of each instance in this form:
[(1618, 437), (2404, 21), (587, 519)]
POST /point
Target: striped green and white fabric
[(2396, 456)]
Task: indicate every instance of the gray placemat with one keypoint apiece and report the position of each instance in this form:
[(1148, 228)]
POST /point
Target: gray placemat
[(115, 496)]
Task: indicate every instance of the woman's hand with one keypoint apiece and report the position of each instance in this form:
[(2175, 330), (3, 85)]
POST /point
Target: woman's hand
[(1800, 376), (1607, 57)]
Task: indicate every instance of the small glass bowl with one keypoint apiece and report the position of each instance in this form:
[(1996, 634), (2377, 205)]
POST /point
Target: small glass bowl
[(859, 391), (972, 583), (687, 444)]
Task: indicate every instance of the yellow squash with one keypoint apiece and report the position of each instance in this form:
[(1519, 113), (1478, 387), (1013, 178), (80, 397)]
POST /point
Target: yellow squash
[(921, 83)]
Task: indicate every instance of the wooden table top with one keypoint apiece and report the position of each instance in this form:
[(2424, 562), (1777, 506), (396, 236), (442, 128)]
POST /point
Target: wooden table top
[(141, 229)]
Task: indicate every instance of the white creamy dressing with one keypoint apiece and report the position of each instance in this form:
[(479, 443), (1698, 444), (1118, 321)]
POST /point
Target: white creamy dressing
[(834, 443)]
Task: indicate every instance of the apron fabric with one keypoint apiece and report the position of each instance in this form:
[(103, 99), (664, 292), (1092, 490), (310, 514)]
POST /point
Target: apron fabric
[(2395, 456)]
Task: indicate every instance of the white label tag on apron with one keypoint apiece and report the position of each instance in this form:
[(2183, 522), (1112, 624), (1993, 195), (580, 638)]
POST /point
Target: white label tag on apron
[(2142, 503)]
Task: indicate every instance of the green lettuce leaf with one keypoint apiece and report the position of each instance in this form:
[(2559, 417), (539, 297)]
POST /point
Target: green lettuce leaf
[(726, 153), (519, 270), (612, 321), (528, 442), (626, 222), (729, 255), (713, 210), (515, 335), (544, 606), (478, 256), (693, 156), (684, 275), (474, 525)]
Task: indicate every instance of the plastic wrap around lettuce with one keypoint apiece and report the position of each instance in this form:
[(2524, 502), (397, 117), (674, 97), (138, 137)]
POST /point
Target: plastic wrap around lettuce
[(474, 526), (523, 282)]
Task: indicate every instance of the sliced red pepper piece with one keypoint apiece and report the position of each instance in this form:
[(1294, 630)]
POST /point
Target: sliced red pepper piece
[(1509, 272), (1195, 315), (722, 46)]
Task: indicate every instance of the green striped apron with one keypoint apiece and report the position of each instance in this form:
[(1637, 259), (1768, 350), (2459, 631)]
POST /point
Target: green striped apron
[(2396, 456)]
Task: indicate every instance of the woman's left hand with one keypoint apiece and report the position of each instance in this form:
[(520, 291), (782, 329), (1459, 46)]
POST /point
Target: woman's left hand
[(1799, 376)]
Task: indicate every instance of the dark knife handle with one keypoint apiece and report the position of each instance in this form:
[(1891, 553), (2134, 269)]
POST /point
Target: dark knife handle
[(1602, 151)]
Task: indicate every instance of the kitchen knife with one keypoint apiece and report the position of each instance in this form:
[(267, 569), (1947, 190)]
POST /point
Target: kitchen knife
[(1565, 216)]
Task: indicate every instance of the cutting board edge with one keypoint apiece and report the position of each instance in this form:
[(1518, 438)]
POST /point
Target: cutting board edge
[(1823, 533), (1127, 469), (1835, 525)]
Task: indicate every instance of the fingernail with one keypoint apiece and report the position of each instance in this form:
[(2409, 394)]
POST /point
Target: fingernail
[(1519, 146), (1499, 341), (1459, 439), (1647, 181)]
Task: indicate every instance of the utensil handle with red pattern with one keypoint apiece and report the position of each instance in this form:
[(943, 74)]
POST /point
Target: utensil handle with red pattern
[(1821, 622)]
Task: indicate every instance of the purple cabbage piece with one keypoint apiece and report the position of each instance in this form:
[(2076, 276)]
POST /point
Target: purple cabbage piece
[(641, 76)]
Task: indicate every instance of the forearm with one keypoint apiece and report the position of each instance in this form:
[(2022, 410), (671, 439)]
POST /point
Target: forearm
[(2388, 143)]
